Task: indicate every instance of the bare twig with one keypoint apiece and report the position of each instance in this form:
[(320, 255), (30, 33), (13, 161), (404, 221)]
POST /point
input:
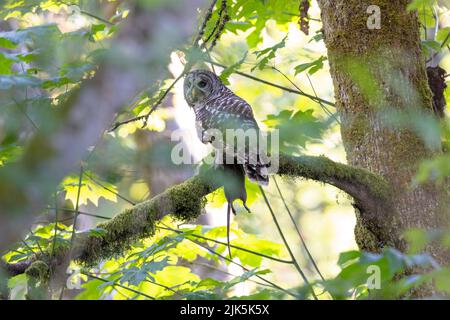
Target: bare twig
[(297, 266), (152, 109), (318, 100), (205, 21), (118, 285), (297, 229), (246, 269), (108, 189), (225, 244), (75, 219), (220, 26), (295, 91)]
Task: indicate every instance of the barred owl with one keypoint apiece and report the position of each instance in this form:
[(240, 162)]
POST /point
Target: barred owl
[(217, 107)]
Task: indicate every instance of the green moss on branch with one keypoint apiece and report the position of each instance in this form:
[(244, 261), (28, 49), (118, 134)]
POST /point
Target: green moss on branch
[(347, 178), (185, 202), (38, 278)]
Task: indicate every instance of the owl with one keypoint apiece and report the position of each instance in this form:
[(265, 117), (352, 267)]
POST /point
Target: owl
[(217, 109)]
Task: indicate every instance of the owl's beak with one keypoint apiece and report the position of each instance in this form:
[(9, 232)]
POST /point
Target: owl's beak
[(194, 94)]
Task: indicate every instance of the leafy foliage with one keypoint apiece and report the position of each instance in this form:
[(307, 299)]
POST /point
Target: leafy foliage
[(42, 65), (268, 54), (296, 128), (311, 67), (91, 189), (157, 267)]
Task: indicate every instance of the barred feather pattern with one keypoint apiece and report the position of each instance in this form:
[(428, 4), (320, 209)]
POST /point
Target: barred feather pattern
[(221, 109)]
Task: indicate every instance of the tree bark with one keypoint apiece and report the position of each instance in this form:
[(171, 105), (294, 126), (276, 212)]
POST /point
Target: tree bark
[(378, 73)]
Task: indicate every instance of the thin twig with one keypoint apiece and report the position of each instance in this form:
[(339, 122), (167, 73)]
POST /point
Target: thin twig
[(82, 213), (25, 114), (297, 266), (96, 17), (229, 273), (297, 229), (27, 246), (316, 99), (165, 287), (223, 8), (246, 269), (108, 189), (152, 109), (75, 218), (205, 21), (118, 285), (37, 243), (320, 103), (225, 244), (314, 91), (56, 225), (90, 14)]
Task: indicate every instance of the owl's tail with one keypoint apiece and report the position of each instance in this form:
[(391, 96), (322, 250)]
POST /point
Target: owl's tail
[(234, 182), (234, 186)]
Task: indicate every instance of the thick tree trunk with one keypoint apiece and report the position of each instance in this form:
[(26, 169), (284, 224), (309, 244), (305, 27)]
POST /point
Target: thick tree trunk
[(378, 72)]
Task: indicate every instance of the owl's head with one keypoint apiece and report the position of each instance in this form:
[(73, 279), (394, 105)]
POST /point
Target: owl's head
[(200, 85)]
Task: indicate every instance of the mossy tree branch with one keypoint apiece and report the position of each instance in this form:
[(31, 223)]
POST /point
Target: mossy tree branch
[(186, 200)]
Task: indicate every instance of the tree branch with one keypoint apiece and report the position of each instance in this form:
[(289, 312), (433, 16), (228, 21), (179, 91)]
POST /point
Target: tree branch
[(185, 201)]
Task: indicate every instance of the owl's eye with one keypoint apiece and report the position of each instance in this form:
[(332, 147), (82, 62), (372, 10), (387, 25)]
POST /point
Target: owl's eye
[(201, 84)]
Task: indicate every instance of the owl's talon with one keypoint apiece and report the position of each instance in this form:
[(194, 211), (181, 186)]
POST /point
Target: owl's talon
[(233, 209)]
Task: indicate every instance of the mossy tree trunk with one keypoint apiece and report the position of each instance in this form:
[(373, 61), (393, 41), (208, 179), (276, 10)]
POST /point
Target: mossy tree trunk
[(379, 73)]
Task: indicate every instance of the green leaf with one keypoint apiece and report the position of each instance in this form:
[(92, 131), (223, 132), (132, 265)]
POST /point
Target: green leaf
[(90, 190), (266, 55), (430, 46), (6, 62), (443, 36), (76, 71), (133, 276), (235, 26), (417, 239), (244, 277), (18, 81), (231, 69), (317, 37), (10, 39), (419, 4), (348, 257), (251, 242), (9, 153), (436, 169), (97, 232), (296, 128), (312, 67), (154, 266), (209, 283)]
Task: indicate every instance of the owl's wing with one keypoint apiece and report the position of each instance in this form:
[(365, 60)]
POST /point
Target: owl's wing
[(231, 112)]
